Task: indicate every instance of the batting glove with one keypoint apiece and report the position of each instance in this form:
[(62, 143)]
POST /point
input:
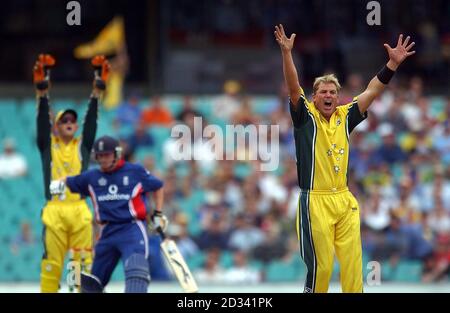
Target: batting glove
[(57, 187), (159, 219)]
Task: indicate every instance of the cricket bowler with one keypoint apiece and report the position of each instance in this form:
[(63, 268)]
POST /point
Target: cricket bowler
[(328, 217)]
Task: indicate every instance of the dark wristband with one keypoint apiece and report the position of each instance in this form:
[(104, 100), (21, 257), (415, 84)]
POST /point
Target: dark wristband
[(385, 75)]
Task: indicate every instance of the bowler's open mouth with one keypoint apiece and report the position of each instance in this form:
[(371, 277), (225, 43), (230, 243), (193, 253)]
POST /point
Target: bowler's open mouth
[(328, 103)]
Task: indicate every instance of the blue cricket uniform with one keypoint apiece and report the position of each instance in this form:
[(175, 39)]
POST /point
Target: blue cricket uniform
[(119, 203)]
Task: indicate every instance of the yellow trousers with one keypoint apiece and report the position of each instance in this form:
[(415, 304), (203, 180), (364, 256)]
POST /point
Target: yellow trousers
[(67, 226), (328, 223)]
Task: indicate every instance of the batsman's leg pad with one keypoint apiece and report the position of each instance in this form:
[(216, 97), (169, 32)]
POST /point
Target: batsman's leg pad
[(90, 283), (137, 274), (50, 276)]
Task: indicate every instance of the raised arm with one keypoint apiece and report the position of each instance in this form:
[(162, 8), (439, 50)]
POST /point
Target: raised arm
[(89, 129), (376, 86), (41, 80), (43, 121), (101, 73), (90, 124), (289, 70)]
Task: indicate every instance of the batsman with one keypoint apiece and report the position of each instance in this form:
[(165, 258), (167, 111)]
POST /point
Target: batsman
[(118, 190), (328, 218), (66, 218)]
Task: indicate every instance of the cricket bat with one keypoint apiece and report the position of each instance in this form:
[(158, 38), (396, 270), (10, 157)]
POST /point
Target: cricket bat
[(177, 263)]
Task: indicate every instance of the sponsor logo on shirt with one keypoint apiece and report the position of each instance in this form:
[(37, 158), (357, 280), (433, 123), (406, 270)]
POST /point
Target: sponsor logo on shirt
[(113, 195)]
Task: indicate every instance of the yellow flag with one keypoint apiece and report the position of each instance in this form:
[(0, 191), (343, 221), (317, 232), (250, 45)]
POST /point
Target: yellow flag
[(111, 40), (113, 95), (107, 42)]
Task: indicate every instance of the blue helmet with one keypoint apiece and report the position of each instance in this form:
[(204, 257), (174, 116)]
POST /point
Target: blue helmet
[(106, 144)]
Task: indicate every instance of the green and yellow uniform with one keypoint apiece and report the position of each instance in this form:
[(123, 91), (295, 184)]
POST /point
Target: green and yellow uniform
[(67, 220), (328, 218)]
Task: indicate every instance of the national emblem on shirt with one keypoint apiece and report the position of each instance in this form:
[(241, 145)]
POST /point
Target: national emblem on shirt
[(336, 169), (102, 181)]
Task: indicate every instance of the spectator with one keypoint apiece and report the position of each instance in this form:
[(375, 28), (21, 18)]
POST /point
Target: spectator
[(395, 117), (12, 163), (389, 152), (241, 273), (149, 164), (403, 240), (129, 112), (245, 116), (353, 86), (434, 193), (272, 188), (360, 156), (442, 144), (156, 114), (406, 207), (233, 195), (415, 90), (188, 111), (228, 104), (375, 213), (437, 268), (140, 139), (273, 247), (439, 220), (211, 272), (25, 238), (214, 235), (417, 115), (245, 236)]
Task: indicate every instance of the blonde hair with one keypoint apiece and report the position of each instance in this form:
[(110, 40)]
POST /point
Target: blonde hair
[(326, 79)]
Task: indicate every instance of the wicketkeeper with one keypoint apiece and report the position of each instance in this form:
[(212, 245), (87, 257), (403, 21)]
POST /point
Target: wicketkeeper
[(67, 219)]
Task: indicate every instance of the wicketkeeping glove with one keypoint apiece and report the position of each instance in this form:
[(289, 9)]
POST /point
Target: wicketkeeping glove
[(159, 219), (101, 71), (57, 187), (41, 71)]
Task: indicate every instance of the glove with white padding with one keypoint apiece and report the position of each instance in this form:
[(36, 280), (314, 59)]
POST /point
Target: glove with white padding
[(57, 187), (158, 219)]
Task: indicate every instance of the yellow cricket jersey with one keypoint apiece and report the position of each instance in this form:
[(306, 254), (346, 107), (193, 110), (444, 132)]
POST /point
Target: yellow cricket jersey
[(66, 161), (59, 159), (322, 147)]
